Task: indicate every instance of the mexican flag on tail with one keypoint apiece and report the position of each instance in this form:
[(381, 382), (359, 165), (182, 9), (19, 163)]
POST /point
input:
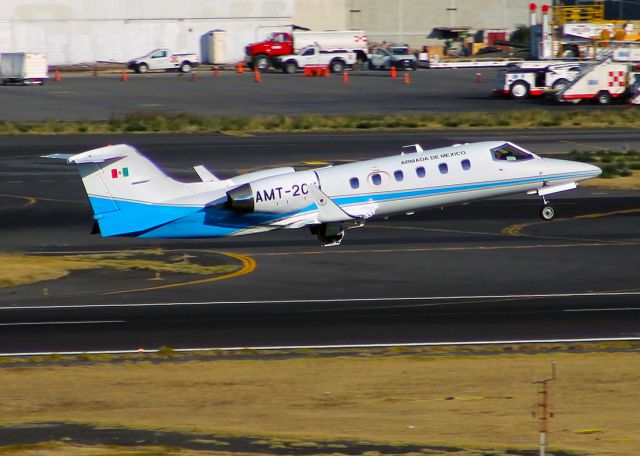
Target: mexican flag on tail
[(119, 172)]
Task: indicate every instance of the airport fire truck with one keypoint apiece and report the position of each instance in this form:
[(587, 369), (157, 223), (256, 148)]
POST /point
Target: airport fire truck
[(603, 82)]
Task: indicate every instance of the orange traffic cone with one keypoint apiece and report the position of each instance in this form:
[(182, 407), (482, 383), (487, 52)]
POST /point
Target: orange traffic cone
[(124, 76), (406, 79), (345, 78), (57, 77), (257, 76), (216, 71), (394, 72), (240, 68), (193, 76), (478, 78)]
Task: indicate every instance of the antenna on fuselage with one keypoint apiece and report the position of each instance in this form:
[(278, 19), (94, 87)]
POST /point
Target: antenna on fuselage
[(416, 148)]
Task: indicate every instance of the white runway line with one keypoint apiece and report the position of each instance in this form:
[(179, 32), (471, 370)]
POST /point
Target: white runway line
[(612, 309), (333, 300), (46, 323)]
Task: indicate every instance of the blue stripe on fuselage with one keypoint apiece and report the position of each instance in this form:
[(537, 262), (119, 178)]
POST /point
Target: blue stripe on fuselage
[(159, 220)]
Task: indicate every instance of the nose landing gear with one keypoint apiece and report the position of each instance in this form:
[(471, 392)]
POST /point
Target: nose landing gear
[(547, 211)]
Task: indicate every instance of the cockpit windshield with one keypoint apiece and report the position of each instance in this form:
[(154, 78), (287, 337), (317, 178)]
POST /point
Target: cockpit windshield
[(509, 152)]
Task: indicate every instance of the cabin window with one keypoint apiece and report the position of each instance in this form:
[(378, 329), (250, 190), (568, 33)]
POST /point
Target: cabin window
[(420, 172), (309, 51), (508, 152), (444, 168), (466, 164), (354, 182), (399, 175), (376, 179)]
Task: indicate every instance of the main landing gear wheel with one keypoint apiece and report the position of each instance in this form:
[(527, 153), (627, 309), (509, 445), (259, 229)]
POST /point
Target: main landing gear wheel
[(547, 212)]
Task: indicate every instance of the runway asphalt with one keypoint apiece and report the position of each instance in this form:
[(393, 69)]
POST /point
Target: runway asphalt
[(79, 97), (489, 271)]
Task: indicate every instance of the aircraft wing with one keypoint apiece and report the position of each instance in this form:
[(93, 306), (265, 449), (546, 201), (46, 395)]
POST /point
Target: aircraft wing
[(362, 211), (330, 212)]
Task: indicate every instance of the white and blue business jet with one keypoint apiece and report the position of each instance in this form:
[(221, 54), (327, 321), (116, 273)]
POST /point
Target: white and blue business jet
[(130, 196)]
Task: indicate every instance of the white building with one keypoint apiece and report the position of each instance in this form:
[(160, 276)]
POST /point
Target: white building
[(76, 31)]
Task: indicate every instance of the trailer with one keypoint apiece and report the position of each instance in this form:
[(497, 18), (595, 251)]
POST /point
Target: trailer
[(24, 68)]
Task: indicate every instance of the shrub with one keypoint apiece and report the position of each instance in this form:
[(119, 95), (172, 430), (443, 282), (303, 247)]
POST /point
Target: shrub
[(609, 171)]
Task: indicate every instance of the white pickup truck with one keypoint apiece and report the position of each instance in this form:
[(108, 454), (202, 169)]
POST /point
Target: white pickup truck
[(163, 59), (336, 60)]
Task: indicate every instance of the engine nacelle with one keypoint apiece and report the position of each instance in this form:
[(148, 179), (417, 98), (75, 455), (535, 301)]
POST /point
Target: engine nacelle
[(275, 195)]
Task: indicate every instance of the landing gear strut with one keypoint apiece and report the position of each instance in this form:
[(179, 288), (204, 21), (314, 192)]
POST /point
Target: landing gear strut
[(547, 212), (329, 234)]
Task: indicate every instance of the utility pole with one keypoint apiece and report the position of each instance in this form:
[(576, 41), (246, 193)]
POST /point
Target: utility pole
[(542, 412)]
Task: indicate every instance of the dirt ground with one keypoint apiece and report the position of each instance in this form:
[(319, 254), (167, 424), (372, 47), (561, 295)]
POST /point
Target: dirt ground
[(466, 401)]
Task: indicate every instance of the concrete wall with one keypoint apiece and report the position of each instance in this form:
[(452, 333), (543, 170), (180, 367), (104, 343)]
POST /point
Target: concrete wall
[(322, 14), (411, 21), (75, 31)]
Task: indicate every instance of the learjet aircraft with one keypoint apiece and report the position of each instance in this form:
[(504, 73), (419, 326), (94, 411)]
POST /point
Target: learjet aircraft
[(131, 196)]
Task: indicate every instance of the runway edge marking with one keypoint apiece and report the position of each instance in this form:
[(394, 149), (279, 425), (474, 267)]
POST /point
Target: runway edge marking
[(324, 347)]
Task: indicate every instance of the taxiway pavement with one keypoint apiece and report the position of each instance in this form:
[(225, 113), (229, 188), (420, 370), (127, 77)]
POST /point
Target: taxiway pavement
[(80, 97)]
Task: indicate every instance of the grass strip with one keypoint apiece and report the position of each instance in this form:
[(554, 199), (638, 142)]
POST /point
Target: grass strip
[(468, 402), (193, 123)]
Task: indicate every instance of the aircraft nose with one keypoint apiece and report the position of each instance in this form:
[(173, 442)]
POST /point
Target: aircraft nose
[(592, 169), (569, 167)]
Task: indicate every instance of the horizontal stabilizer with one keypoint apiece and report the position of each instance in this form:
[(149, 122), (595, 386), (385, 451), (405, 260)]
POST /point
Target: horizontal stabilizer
[(204, 174), (58, 156), (103, 154)]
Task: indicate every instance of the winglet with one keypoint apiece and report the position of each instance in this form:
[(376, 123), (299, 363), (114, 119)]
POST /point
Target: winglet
[(328, 210)]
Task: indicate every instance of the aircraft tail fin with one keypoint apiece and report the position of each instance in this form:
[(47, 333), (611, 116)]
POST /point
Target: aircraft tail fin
[(125, 188), (120, 172)]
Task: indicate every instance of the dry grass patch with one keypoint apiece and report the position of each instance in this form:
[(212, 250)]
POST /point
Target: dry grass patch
[(619, 183), (20, 269), (467, 401)]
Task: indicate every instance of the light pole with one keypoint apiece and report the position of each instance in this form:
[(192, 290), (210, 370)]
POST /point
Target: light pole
[(542, 411)]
